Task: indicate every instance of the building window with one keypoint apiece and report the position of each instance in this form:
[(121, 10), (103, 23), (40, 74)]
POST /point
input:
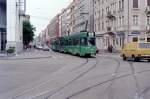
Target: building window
[(119, 5), (102, 25), (119, 21), (148, 39), (102, 13), (148, 2), (135, 3), (135, 20), (148, 20), (135, 39), (122, 4)]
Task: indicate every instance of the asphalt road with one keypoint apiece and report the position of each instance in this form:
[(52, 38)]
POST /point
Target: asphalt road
[(48, 75)]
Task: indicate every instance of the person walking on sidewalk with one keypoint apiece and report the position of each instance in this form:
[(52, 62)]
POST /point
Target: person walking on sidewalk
[(110, 48)]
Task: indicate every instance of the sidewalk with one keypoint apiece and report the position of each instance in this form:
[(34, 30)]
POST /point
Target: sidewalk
[(26, 54), (115, 52), (4, 56)]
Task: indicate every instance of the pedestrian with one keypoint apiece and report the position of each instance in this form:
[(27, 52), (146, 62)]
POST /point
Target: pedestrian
[(110, 48)]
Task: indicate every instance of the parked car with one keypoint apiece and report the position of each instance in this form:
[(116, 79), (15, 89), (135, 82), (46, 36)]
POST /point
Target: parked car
[(39, 47), (45, 48), (136, 51)]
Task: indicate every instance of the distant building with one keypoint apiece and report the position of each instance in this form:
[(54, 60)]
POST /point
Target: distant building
[(120, 21), (67, 20), (53, 28), (71, 17), (11, 16)]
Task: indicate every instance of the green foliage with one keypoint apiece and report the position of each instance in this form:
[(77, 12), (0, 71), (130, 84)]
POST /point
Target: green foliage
[(11, 50), (28, 32)]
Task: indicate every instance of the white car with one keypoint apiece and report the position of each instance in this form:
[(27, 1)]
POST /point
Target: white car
[(45, 48), (39, 47)]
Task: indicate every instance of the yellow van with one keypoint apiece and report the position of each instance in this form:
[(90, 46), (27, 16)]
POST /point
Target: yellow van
[(136, 51)]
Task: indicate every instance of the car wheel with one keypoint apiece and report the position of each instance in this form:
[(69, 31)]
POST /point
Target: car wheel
[(148, 60), (135, 59)]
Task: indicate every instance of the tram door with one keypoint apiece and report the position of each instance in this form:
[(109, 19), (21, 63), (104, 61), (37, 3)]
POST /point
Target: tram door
[(2, 40)]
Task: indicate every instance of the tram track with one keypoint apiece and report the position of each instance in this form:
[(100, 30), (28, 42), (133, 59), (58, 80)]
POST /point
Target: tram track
[(135, 79), (133, 73), (80, 66), (59, 89), (41, 83), (112, 80), (81, 75), (114, 77), (140, 96), (104, 82)]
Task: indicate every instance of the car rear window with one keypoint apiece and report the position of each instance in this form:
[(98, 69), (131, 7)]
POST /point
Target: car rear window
[(144, 45)]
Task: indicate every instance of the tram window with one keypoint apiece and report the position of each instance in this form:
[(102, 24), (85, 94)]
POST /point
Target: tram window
[(148, 39), (69, 42), (73, 42), (83, 41), (66, 42), (76, 42), (91, 41)]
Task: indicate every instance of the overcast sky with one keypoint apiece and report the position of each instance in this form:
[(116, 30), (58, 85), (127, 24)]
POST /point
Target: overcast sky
[(41, 11)]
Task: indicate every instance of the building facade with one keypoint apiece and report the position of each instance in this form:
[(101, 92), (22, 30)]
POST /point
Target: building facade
[(11, 20), (64, 22), (71, 16), (53, 28), (84, 17), (120, 21), (2, 25)]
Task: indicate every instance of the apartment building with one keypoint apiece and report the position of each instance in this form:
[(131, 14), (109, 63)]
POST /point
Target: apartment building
[(67, 20), (84, 17), (11, 17), (53, 27), (119, 21), (71, 16), (64, 22)]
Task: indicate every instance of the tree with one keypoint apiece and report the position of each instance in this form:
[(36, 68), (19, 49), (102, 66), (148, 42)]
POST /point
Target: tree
[(28, 32)]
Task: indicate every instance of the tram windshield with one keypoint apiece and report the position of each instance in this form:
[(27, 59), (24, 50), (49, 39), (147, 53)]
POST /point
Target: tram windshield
[(83, 41), (91, 41)]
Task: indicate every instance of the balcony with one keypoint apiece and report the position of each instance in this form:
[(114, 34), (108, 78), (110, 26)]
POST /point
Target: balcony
[(110, 16), (147, 10)]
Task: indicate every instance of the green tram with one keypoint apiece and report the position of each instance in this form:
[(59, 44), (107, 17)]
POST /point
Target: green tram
[(82, 44)]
